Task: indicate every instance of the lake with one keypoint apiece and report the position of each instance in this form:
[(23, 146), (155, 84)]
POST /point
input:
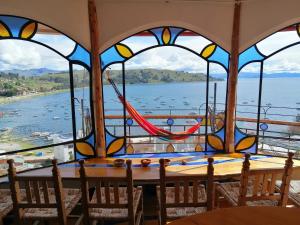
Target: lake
[(52, 113)]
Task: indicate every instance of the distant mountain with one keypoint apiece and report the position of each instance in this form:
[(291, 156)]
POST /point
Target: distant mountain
[(256, 75), (139, 76), (32, 72)]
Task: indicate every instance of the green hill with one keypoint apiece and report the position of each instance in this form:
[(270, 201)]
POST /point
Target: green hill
[(156, 76), (12, 84)]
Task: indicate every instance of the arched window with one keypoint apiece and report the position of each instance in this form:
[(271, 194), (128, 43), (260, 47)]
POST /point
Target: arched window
[(268, 95), (45, 104), (161, 88)]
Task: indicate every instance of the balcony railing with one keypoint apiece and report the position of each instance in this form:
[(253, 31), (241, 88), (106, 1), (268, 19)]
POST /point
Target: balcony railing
[(278, 136)]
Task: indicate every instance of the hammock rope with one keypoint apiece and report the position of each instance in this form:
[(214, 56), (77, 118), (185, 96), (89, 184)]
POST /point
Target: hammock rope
[(146, 125)]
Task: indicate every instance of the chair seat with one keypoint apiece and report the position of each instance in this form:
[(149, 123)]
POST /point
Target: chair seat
[(115, 213), (178, 212), (294, 191), (6, 204), (72, 197), (230, 190)]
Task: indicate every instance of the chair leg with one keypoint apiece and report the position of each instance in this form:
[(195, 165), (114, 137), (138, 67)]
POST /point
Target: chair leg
[(217, 200), (142, 210)]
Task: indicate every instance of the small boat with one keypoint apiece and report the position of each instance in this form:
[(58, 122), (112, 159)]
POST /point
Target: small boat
[(56, 118), (245, 103), (4, 129), (44, 134), (36, 134)]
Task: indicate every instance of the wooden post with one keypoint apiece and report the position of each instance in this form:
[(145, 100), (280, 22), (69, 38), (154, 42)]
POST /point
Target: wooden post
[(232, 80), (97, 81)]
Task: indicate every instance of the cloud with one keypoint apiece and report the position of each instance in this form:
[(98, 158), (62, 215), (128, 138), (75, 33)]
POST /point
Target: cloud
[(168, 57), (19, 54), (285, 61)]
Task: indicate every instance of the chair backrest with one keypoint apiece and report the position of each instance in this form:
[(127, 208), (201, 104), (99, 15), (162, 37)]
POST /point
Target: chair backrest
[(263, 183), (107, 191), (37, 192), (186, 188)]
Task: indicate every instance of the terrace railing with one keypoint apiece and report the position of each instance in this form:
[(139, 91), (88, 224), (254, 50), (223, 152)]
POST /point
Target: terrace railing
[(278, 133)]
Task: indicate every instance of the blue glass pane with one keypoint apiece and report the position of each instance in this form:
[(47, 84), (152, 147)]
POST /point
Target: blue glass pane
[(158, 33), (82, 55), (14, 23), (220, 56), (251, 150), (91, 140), (110, 56), (221, 134), (79, 156), (251, 54), (238, 135), (174, 33), (109, 139)]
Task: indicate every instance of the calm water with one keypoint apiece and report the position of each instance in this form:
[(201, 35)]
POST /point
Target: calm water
[(52, 113)]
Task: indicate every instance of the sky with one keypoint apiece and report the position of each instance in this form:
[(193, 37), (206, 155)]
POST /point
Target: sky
[(17, 54)]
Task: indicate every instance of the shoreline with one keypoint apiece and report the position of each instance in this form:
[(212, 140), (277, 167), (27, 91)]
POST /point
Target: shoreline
[(7, 100)]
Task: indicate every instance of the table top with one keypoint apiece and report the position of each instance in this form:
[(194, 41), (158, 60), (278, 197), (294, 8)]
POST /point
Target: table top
[(226, 165), (247, 215)]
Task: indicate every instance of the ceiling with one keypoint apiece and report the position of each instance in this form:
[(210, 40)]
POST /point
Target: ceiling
[(121, 18)]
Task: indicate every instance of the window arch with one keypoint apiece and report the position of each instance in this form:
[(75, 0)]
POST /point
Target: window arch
[(45, 108), (273, 64), (129, 61)]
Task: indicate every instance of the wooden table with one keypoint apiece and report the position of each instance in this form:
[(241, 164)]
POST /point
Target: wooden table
[(231, 166), (244, 216)]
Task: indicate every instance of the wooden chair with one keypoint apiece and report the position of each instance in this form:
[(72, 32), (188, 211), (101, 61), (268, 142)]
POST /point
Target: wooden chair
[(258, 186), (42, 203), (114, 198), (184, 195)]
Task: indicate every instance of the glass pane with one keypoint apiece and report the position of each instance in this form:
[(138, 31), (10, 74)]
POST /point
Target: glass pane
[(37, 158), (165, 83), (34, 96), (82, 102), (247, 98), (217, 97), (277, 41), (280, 101), (113, 108)]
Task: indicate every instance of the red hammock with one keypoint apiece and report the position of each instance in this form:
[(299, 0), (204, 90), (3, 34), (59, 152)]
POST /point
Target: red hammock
[(149, 127)]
